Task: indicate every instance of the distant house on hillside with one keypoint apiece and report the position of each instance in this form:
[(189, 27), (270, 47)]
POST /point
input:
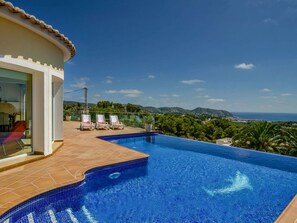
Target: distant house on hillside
[(32, 56), (224, 141)]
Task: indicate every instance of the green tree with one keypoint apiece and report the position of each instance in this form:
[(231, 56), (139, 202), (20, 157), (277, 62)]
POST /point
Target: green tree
[(119, 107), (133, 108), (218, 133), (221, 123), (78, 105), (69, 107), (289, 142), (209, 129), (259, 135), (104, 104), (232, 130)]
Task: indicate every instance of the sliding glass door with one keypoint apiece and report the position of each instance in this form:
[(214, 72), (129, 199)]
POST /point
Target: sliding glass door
[(15, 113)]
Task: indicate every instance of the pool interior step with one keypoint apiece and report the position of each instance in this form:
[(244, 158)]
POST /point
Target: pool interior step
[(51, 216)]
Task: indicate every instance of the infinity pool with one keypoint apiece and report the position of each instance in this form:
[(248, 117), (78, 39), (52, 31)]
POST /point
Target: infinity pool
[(182, 181)]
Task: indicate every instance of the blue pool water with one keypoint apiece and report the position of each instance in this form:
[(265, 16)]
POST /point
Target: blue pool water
[(182, 181)]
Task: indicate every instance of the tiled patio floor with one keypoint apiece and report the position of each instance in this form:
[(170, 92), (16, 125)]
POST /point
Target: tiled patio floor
[(81, 151), (289, 215)]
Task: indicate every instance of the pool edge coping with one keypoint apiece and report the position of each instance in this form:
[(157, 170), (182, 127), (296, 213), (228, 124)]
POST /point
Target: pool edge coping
[(288, 213)]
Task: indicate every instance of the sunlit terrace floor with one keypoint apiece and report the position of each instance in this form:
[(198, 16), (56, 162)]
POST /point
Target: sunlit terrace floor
[(81, 151)]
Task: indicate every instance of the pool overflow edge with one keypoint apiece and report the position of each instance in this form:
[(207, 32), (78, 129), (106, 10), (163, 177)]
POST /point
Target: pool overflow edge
[(270, 160)]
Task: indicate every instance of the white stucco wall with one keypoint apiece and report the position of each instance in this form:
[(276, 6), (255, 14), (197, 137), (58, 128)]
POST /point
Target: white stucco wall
[(16, 40), (58, 108), (43, 78), (30, 48)]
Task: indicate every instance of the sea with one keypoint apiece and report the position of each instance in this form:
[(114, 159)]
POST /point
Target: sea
[(273, 117)]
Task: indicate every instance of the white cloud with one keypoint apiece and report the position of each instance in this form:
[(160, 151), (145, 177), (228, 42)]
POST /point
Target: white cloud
[(214, 100), (150, 97), (67, 90), (244, 66), (70, 62), (265, 90), (163, 95), (195, 81), (80, 83), (286, 94), (111, 92), (203, 96), (151, 76), (270, 21), (108, 79), (132, 93), (97, 95), (269, 97), (175, 95), (200, 89)]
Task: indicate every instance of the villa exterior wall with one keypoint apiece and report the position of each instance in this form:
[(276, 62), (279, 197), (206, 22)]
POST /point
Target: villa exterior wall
[(16, 41), (30, 46), (57, 109), (47, 102)]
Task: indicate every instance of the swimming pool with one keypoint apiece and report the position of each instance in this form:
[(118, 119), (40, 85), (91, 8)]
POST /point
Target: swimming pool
[(182, 181)]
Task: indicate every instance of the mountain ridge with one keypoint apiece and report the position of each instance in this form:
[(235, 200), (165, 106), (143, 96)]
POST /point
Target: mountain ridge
[(196, 111), (176, 110)]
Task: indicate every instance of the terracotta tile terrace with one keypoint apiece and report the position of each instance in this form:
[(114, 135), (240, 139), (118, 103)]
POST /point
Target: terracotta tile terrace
[(81, 151), (289, 215)]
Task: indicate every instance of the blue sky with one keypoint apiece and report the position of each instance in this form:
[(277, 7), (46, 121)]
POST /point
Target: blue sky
[(237, 55)]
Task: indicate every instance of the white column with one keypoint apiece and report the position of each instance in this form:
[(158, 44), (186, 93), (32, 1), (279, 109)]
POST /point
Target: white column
[(47, 113), (42, 112)]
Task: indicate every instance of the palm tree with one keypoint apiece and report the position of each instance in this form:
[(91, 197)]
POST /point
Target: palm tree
[(289, 142), (260, 135)]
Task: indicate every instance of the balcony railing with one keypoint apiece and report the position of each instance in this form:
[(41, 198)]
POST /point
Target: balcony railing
[(136, 120)]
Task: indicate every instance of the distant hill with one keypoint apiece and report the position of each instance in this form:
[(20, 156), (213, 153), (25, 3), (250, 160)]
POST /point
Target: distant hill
[(75, 102), (172, 110), (196, 111), (176, 110), (208, 111)]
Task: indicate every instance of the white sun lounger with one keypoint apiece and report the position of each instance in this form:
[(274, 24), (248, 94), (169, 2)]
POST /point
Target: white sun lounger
[(86, 122), (101, 123), (115, 123)]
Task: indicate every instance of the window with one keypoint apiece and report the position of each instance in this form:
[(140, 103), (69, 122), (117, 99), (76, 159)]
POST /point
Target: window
[(15, 113)]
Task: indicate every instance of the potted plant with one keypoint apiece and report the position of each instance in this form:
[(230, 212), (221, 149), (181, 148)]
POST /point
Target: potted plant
[(67, 115), (148, 123)]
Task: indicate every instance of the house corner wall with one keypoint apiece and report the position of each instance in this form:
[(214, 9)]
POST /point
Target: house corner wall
[(58, 110)]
